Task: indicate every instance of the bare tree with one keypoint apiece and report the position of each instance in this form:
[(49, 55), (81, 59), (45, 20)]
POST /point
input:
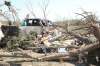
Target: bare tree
[(30, 8), (10, 14), (90, 19), (45, 4)]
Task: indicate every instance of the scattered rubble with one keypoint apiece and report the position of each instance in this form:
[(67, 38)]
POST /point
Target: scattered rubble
[(49, 42)]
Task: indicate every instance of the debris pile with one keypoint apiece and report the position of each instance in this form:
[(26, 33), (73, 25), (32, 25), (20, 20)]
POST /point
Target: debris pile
[(51, 42)]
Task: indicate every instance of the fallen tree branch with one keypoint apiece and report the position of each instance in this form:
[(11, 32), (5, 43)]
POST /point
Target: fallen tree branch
[(71, 53)]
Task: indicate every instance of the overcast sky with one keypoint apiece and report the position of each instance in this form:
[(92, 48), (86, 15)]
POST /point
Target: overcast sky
[(57, 9)]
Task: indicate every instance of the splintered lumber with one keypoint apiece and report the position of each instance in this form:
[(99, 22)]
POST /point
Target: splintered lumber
[(53, 56), (11, 54), (47, 64), (30, 53), (21, 54), (52, 47), (89, 47), (95, 31), (17, 59), (72, 53), (80, 28)]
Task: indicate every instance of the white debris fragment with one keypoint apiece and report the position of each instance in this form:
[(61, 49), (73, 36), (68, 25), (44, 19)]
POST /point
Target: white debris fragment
[(1, 33)]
